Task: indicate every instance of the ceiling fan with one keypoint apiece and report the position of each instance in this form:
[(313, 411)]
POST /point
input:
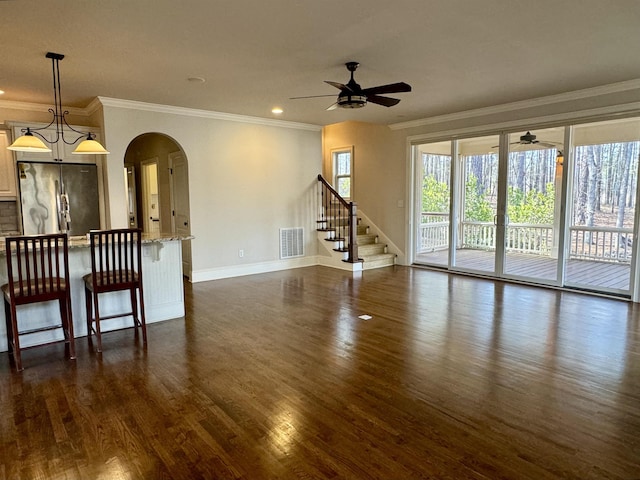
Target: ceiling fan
[(353, 96), (530, 139)]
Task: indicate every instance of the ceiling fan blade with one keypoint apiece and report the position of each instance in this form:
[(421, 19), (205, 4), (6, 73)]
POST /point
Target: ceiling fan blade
[(549, 144), (384, 101), (312, 96), (391, 88), (333, 107), (339, 86)]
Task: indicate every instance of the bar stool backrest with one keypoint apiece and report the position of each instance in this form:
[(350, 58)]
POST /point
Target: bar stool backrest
[(116, 257), (37, 267)]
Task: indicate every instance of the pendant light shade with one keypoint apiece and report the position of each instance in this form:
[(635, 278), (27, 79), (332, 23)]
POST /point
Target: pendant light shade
[(32, 141), (90, 147), (28, 143)]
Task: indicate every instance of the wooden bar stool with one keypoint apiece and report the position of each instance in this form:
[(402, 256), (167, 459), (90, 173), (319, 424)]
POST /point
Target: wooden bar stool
[(116, 265), (38, 271)]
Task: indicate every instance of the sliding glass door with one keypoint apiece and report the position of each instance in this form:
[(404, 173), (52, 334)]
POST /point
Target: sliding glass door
[(554, 206), (477, 241), (602, 225), (533, 197), (433, 184)]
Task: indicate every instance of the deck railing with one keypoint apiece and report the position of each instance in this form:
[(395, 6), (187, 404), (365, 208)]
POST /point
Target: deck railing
[(434, 232), (607, 244)]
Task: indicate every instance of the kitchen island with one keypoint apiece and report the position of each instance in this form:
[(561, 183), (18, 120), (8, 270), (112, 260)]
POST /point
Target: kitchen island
[(162, 282)]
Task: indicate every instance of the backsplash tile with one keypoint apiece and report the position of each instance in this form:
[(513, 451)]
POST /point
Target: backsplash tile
[(8, 217)]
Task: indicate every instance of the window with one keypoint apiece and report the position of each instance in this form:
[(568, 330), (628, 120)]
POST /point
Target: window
[(342, 160)]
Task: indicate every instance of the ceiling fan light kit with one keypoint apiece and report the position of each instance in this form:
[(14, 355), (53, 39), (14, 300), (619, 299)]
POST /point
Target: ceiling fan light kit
[(36, 143), (352, 101)]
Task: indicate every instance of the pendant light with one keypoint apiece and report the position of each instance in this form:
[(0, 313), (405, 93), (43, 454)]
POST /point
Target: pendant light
[(32, 141)]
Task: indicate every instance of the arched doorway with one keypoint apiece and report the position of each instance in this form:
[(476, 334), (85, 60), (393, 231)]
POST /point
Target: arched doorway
[(157, 186)]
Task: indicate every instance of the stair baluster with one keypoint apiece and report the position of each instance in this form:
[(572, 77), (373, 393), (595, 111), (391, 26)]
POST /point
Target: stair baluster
[(340, 217)]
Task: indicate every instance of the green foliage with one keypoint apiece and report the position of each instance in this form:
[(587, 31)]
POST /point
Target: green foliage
[(344, 187), (476, 206), (435, 195), (535, 207)]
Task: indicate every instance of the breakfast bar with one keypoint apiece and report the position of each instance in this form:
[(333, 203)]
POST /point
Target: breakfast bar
[(163, 291)]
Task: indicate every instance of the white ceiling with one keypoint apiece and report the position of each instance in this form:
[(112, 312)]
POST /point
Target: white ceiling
[(255, 54)]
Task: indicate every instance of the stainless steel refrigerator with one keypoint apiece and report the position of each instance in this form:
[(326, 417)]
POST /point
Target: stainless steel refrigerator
[(58, 197)]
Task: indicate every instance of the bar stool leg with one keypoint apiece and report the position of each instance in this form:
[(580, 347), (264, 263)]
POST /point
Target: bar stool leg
[(89, 311), (68, 327), (143, 320), (134, 308), (14, 340), (7, 319), (97, 322)]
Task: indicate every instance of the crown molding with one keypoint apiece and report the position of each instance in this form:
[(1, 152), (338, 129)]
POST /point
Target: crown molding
[(193, 112), (580, 116), (523, 104), (39, 107), (93, 106)]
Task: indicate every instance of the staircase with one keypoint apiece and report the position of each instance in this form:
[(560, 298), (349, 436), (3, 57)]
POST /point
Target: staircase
[(341, 234), (372, 253)]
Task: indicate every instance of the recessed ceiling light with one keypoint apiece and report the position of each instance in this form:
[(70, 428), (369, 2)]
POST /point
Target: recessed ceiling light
[(196, 79), (276, 110), (1, 92)]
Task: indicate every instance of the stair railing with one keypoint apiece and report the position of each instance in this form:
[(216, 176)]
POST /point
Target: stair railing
[(339, 217)]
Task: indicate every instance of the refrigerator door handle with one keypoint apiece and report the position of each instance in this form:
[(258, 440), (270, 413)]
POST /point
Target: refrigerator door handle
[(59, 206), (66, 212)]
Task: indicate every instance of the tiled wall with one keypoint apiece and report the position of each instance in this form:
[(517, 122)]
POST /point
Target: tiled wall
[(8, 217)]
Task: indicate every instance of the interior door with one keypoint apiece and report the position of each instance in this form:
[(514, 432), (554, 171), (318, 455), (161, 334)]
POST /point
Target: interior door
[(150, 196), (130, 194), (181, 223)]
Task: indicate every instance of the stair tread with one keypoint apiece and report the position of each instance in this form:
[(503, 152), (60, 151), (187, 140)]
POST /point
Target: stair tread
[(372, 248), (377, 256), (366, 239)]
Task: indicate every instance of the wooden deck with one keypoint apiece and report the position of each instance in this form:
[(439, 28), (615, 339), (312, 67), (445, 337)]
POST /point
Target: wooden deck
[(603, 276)]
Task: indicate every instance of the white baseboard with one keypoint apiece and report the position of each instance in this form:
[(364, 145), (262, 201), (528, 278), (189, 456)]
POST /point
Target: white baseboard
[(251, 269)]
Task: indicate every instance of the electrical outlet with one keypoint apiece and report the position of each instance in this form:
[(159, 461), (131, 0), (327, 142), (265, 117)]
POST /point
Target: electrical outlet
[(241, 253)]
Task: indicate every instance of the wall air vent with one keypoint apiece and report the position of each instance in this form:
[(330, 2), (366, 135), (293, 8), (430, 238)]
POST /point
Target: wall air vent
[(291, 242)]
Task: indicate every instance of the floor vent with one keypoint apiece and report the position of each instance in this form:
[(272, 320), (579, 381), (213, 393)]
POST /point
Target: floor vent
[(291, 242)]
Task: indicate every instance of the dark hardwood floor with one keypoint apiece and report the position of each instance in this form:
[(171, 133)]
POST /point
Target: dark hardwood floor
[(275, 376)]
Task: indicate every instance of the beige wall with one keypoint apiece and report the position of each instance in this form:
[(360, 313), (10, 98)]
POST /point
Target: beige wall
[(379, 172), (246, 181)]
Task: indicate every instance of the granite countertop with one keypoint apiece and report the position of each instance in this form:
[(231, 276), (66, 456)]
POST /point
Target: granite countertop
[(83, 242)]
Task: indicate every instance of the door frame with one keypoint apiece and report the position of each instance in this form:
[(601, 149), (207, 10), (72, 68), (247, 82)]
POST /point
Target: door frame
[(186, 243), (457, 188), (145, 182)]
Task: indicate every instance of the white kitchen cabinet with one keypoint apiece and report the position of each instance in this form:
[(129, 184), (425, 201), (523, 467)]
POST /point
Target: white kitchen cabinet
[(60, 151), (7, 168)]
